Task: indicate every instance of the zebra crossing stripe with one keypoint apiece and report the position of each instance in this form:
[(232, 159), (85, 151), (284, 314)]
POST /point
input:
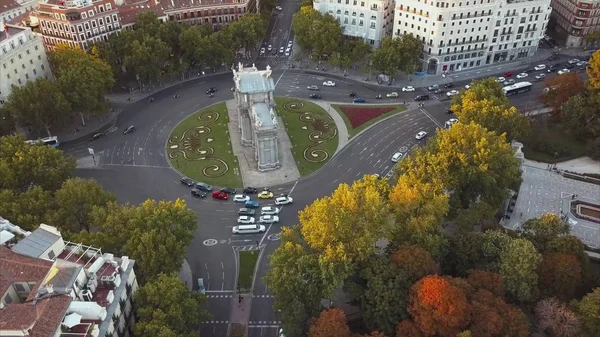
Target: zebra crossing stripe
[(215, 322)]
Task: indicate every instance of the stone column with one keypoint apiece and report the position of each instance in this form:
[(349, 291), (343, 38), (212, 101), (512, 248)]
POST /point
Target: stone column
[(246, 128)]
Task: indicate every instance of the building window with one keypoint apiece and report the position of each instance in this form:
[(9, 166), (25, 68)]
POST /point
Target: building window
[(91, 13), (50, 252), (108, 7), (107, 19), (7, 298), (83, 15)]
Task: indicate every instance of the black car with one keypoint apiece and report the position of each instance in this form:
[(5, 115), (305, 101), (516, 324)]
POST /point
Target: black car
[(449, 85), (250, 190), (352, 94), (438, 91), (198, 193), (448, 111), (228, 190), (129, 129), (246, 211), (422, 98), (529, 70), (211, 90), (204, 187), (569, 66), (315, 96), (553, 57), (187, 181), (96, 136)]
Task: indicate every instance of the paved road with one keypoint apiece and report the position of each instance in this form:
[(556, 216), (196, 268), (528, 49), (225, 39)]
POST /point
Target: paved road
[(278, 35), (134, 167)]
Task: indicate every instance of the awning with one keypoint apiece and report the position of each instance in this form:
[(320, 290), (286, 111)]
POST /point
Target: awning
[(72, 320)]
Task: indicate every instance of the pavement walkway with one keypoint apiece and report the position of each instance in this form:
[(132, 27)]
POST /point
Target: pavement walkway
[(185, 275), (578, 165)]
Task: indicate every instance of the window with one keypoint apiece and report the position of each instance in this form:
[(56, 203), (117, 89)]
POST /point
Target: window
[(91, 13), (108, 18), (4, 65), (50, 252), (27, 76), (108, 7), (7, 299), (83, 15)]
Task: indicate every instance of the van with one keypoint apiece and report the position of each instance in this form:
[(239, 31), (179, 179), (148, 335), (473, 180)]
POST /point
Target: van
[(422, 98), (248, 229), (201, 288)]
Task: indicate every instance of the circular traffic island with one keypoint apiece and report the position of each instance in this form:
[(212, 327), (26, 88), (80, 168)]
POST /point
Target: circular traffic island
[(199, 148)]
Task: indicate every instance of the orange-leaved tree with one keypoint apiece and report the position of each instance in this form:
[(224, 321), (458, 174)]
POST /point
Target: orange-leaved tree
[(415, 261), (560, 275), (481, 279), (331, 323), (408, 328), (560, 88)]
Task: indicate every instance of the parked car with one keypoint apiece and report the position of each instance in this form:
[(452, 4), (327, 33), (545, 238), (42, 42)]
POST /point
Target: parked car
[(197, 193), (96, 136), (250, 190), (359, 100), (251, 204), (281, 50), (397, 156), (240, 198), (507, 74), (408, 89), (420, 135), (509, 82), (187, 181), (283, 201), (563, 71), (129, 129), (269, 210), (246, 211), (574, 61), (278, 8), (540, 77), (500, 79), (433, 87), (269, 219), (522, 75), (246, 220), (312, 87), (228, 190), (204, 187), (265, 195), (201, 288), (329, 84), (220, 195), (270, 47), (392, 95)]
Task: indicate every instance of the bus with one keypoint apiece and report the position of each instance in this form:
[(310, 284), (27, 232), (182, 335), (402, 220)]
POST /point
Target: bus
[(50, 141), (517, 88)]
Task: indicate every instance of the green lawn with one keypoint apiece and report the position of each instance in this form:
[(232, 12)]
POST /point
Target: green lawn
[(548, 143), (354, 131), (200, 148), (312, 131), (247, 264)]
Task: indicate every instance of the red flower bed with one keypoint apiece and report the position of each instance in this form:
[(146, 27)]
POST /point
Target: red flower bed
[(360, 115)]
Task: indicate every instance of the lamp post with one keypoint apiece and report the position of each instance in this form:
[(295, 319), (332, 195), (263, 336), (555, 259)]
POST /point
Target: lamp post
[(370, 65)]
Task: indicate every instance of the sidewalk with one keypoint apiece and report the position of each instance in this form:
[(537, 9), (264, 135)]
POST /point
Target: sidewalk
[(579, 165)]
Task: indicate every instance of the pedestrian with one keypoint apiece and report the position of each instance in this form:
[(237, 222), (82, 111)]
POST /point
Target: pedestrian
[(240, 299), (573, 197), (257, 243), (521, 214), (404, 102)]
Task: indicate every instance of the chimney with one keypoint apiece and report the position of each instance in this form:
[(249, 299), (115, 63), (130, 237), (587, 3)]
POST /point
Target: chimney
[(50, 289)]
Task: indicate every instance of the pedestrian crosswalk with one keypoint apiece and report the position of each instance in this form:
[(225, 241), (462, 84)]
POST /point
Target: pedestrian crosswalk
[(215, 322), (264, 323), (248, 247), (219, 296), (262, 296)]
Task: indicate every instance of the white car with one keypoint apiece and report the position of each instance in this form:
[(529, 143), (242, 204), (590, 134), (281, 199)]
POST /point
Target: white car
[(248, 229), (450, 122), (500, 79), (246, 220), (582, 64), (279, 8), (329, 84), (452, 93), (283, 201), (421, 135), (539, 67), (270, 47), (573, 61), (392, 95), (287, 53), (397, 156), (262, 51), (240, 198), (268, 219), (408, 89), (280, 50), (269, 210), (290, 43), (522, 75), (468, 86), (563, 71)]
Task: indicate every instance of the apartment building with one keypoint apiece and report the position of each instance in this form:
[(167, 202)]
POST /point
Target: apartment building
[(22, 58), (464, 34), (575, 19), (370, 20), (51, 287), (208, 12), (10, 9)]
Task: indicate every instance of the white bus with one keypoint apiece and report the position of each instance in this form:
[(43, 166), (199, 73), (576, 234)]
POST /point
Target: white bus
[(50, 141), (517, 88)]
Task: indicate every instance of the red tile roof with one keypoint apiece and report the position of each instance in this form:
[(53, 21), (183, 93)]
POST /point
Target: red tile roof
[(20, 268), (7, 5), (22, 316)]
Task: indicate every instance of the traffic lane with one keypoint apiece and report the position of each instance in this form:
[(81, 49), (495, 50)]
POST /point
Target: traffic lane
[(263, 331), (262, 312), (214, 330), (219, 306)]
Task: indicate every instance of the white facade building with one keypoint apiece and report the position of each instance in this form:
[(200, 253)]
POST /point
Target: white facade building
[(462, 34), (22, 58), (370, 20), (10, 9)]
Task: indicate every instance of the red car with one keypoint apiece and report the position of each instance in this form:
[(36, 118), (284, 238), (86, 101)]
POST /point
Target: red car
[(219, 195), (507, 74)]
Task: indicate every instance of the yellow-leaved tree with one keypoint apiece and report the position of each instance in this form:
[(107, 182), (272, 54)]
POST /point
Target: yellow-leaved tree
[(593, 70)]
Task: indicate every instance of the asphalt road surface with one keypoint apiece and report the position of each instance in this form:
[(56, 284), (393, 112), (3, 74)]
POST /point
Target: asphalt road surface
[(279, 34), (134, 167)]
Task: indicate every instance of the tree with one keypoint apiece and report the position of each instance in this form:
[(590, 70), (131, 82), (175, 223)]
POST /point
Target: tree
[(560, 275), (166, 307), (437, 307), (39, 105), (487, 314), (593, 70), (397, 53), (331, 323), (28, 209), (492, 282), (464, 253), (580, 115), (408, 328), (560, 89), (350, 221), (593, 37), (83, 78), (588, 312), (7, 122), (556, 318), (517, 323), (567, 244), (374, 334), (519, 261), (415, 261), (248, 31), (23, 166), (485, 104), (319, 34), (493, 244), (540, 231), (147, 59)]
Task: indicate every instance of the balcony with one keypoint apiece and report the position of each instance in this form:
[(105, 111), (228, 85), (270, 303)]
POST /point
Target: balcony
[(463, 43), (469, 16), (507, 33), (374, 8), (441, 53)]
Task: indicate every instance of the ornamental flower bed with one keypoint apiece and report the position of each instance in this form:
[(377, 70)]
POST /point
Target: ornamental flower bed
[(360, 115)]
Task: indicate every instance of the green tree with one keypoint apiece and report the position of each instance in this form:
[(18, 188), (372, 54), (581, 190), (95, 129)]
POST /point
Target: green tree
[(302, 24), (76, 200), (7, 123), (567, 244), (23, 165), (27, 209), (465, 252), (493, 244), (580, 115), (410, 49), (147, 59), (166, 307), (248, 31), (39, 105), (588, 312), (541, 231), (518, 270), (593, 37), (319, 34), (83, 78), (398, 53)]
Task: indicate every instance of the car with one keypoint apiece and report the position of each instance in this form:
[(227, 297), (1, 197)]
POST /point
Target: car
[(553, 57), (582, 63), (201, 288), (422, 98), (228, 190), (449, 111), (569, 66), (540, 77), (420, 135), (329, 84), (507, 74), (500, 79), (449, 85), (248, 229), (450, 122), (285, 200), (315, 96), (528, 70), (312, 87), (468, 86), (269, 210), (268, 219), (210, 90), (246, 211), (281, 50), (287, 53), (251, 204), (433, 87), (563, 71), (279, 8), (262, 51), (509, 82), (250, 190), (129, 129), (522, 75), (270, 47), (452, 93), (246, 220), (187, 181), (290, 43), (274, 52), (204, 187), (220, 195), (265, 195), (574, 61), (197, 193), (392, 95), (240, 198), (397, 156), (352, 94), (439, 91), (359, 100), (539, 67), (96, 136), (408, 89)]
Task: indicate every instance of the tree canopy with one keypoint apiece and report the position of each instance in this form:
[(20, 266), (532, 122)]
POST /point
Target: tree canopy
[(331, 323), (397, 53), (541, 231), (560, 89), (561, 275), (518, 270), (588, 311), (593, 70)]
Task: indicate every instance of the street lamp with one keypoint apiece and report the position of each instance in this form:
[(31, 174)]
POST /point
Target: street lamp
[(370, 65)]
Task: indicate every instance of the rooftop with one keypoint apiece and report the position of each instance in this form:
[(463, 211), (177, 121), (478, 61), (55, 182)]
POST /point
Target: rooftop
[(263, 115), (37, 242), (11, 31), (7, 5), (252, 80)]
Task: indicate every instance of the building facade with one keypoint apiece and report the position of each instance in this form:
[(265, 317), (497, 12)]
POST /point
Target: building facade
[(208, 12), (10, 9), (370, 20), (463, 34), (52, 287), (22, 58), (575, 19)]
